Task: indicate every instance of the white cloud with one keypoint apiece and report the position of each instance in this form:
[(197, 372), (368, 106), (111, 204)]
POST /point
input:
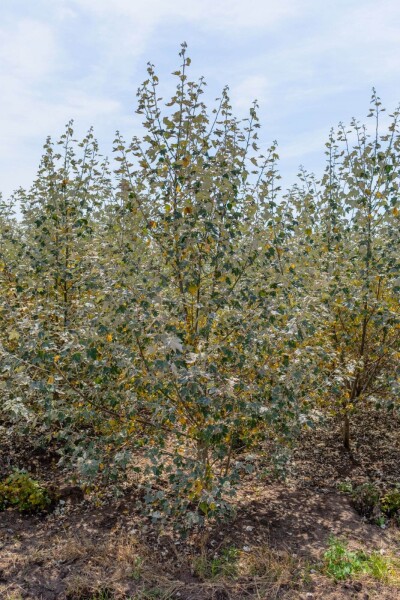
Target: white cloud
[(300, 146), (219, 14), (29, 51), (253, 87), (36, 99), (302, 59)]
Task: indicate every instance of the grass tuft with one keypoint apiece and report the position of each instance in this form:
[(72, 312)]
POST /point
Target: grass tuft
[(340, 564)]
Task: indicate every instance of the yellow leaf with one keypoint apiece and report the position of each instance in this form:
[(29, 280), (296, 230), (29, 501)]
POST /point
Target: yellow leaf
[(57, 358), (109, 337), (13, 335), (50, 380), (395, 211), (186, 161)]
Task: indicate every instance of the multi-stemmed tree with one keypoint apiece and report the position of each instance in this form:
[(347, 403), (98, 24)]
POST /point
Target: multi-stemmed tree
[(54, 274), (354, 283), (205, 364)]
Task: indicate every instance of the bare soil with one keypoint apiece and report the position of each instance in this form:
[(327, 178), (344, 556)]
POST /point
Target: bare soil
[(91, 547)]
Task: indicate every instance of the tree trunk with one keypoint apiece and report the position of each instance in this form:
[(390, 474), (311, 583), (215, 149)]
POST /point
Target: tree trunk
[(346, 431)]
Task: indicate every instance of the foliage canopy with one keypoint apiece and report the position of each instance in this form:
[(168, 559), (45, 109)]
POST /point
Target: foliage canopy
[(182, 309)]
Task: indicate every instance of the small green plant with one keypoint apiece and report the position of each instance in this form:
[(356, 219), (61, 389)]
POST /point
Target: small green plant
[(137, 569), (381, 521), (224, 565), (346, 487), (366, 499), (383, 568), (340, 563), (102, 595), (391, 504), (23, 492)]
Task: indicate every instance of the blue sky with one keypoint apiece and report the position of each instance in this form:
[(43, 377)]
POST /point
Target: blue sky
[(310, 64)]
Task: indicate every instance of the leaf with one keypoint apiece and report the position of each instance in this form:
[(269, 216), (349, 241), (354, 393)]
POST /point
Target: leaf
[(174, 343), (92, 353)]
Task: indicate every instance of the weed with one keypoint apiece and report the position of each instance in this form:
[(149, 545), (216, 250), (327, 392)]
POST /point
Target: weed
[(102, 595), (369, 502), (346, 487), (224, 565), (391, 504), (366, 499), (137, 568), (23, 492), (340, 563)]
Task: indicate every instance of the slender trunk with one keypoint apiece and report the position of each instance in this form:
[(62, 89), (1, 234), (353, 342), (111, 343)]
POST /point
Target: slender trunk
[(346, 431), (204, 460)]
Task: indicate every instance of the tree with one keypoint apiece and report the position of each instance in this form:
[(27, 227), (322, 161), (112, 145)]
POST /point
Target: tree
[(206, 364), (356, 250)]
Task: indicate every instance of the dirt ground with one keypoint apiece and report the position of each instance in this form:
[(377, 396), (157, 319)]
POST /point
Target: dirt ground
[(81, 550)]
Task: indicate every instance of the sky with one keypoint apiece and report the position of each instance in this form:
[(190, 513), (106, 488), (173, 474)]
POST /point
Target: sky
[(309, 63)]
